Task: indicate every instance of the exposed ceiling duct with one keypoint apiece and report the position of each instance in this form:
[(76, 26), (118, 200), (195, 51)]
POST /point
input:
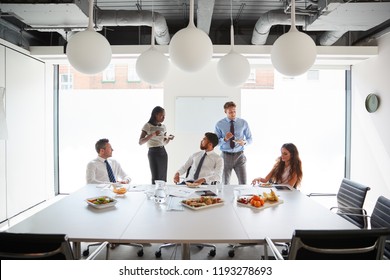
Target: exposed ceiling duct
[(269, 19), (135, 18), (51, 22)]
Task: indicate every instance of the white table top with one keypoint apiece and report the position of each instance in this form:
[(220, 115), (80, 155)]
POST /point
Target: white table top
[(138, 219)]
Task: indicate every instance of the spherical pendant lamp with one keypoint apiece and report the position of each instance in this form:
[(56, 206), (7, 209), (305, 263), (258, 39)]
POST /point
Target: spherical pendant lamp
[(152, 66), (190, 48), (88, 51), (233, 69), (293, 53)]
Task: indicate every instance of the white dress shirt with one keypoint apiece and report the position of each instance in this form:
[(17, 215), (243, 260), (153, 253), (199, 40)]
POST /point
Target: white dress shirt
[(97, 171), (211, 170)]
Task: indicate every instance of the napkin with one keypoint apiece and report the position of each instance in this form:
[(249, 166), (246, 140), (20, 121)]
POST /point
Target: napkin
[(174, 204)]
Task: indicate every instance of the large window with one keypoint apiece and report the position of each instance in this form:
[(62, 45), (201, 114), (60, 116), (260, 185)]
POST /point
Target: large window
[(308, 111), (92, 110)]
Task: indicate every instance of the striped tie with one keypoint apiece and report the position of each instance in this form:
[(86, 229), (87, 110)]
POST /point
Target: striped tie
[(110, 173)]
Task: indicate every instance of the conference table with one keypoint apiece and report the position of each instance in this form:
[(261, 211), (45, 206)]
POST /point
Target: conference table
[(136, 218)]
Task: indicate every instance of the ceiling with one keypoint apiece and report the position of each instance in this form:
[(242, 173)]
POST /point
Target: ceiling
[(256, 22)]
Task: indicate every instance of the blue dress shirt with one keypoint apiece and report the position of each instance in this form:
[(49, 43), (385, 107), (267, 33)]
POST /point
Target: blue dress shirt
[(241, 131)]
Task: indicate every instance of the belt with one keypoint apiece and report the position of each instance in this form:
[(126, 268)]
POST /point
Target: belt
[(156, 148), (232, 154)]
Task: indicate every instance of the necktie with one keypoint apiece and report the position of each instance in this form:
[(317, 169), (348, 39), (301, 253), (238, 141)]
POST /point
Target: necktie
[(196, 175), (232, 131), (109, 171)]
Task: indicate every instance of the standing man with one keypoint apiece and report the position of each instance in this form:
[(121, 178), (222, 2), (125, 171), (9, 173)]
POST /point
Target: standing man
[(103, 169), (233, 134)]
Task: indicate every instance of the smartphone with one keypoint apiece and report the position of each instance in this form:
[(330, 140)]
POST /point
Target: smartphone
[(206, 193)]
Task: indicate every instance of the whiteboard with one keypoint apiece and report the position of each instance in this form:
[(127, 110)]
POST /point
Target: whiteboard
[(198, 114)]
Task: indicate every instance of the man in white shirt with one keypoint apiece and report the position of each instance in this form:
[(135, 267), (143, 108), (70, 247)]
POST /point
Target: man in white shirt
[(204, 171), (103, 170)]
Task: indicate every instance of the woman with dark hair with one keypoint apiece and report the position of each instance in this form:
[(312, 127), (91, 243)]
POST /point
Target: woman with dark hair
[(154, 133), (287, 169)]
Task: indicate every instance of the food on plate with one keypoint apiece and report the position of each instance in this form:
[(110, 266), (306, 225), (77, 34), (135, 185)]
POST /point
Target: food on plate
[(190, 184), (270, 196), (101, 200), (202, 201), (121, 190), (268, 184), (254, 200)]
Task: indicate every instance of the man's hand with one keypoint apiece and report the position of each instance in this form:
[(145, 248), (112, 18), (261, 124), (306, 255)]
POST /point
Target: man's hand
[(176, 178), (228, 136)]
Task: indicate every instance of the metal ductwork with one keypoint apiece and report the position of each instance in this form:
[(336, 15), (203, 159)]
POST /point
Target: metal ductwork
[(135, 18), (267, 20), (72, 16), (205, 14), (328, 38)]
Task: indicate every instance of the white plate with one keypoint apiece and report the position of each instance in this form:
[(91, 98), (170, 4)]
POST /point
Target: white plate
[(193, 185), (202, 207), (101, 206), (267, 204)]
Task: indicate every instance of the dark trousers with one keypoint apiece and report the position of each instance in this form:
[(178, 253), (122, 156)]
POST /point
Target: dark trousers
[(158, 162)]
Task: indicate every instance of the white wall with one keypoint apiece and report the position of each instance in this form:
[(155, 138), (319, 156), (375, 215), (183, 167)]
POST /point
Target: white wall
[(3, 189), (23, 166), (370, 131), (202, 83)]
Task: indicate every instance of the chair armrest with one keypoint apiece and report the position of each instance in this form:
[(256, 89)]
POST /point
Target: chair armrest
[(273, 248), (350, 208), (98, 251), (321, 194)]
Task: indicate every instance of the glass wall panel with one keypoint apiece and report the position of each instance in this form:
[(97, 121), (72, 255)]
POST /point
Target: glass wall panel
[(93, 109), (308, 111)]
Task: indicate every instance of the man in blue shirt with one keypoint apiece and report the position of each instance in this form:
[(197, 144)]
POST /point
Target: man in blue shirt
[(233, 134)]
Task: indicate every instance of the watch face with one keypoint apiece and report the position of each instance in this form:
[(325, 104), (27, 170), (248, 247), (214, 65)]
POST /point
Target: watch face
[(372, 103)]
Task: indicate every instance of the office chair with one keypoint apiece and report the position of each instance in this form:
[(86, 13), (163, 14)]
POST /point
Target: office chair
[(356, 244), (140, 252), (350, 200), (213, 250), (19, 246), (380, 218)]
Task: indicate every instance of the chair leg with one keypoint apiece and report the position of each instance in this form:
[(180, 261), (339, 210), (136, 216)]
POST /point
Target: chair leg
[(212, 252)]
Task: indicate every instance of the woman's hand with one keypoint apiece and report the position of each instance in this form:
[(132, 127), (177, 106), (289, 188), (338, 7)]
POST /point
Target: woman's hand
[(257, 181)]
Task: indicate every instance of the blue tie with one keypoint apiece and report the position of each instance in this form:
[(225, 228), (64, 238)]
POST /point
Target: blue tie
[(196, 175), (110, 173)]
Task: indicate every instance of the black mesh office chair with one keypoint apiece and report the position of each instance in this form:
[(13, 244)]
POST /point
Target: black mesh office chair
[(350, 200), (19, 246), (357, 244), (380, 218)]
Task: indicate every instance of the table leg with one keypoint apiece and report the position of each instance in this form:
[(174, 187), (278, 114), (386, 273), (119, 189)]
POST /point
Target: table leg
[(185, 251), (77, 250)]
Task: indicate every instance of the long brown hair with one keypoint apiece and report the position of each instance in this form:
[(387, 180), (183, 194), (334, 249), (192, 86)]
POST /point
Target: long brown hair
[(295, 165)]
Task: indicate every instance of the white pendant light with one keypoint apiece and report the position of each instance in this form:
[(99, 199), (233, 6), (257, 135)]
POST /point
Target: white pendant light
[(3, 122), (233, 68), (88, 51), (152, 66), (190, 48), (293, 53)]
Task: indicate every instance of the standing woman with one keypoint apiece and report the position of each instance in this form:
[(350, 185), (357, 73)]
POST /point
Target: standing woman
[(154, 133), (287, 169)]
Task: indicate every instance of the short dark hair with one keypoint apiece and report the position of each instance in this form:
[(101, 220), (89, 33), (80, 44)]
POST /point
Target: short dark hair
[(101, 144), (229, 104), (213, 138)]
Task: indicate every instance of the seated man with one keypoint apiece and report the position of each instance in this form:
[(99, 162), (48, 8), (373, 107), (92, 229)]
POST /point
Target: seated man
[(103, 170), (206, 166)]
